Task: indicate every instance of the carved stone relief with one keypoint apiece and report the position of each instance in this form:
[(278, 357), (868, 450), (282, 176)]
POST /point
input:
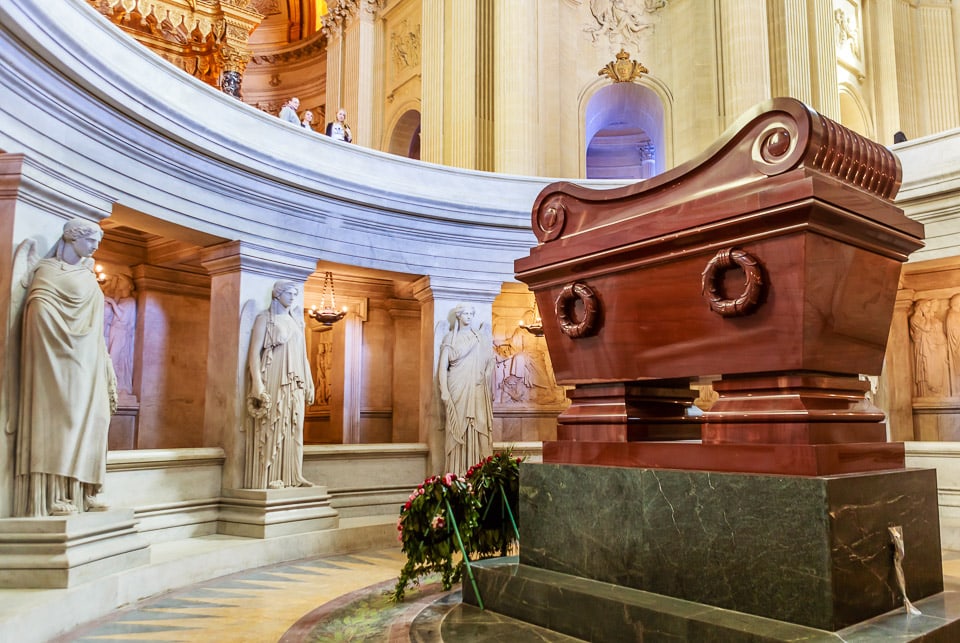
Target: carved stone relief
[(523, 374), (119, 328), (405, 47), (623, 22), (848, 35), (321, 355)]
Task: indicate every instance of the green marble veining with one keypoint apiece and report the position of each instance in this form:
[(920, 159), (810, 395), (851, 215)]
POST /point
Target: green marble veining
[(808, 550)]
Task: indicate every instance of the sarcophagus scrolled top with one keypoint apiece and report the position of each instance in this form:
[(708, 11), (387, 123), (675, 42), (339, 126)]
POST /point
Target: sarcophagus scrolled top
[(770, 262)]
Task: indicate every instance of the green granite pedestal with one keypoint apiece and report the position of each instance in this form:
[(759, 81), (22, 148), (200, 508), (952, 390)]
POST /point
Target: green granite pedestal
[(624, 544)]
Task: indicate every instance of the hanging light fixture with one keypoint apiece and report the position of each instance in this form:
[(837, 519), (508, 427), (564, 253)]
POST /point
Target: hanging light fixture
[(327, 313), (101, 275), (536, 327)]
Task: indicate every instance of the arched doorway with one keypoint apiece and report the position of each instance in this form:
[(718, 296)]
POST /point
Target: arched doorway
[(405, 138), (624, 133)]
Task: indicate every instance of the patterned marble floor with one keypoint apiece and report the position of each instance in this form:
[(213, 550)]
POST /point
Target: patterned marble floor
[(333, 598)]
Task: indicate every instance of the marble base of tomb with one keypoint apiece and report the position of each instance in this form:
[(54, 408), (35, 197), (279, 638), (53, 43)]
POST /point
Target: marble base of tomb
[(811, 551), (268, 513), (64, 551), (594, 611)]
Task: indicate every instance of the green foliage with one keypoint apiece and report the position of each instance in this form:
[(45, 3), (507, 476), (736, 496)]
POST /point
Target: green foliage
[(428, 538), (496, 533)]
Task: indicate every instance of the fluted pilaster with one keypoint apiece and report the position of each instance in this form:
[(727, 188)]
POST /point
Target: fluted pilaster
[(515, 92), (884, 68), (431, 70), (460, 84), (823, 68), (745, 59), (940, 67), (789, 49), (907, 83)]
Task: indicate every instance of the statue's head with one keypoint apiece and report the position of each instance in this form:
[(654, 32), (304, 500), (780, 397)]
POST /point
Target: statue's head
[(81, 229), (464, 314), (282, 286), (82, 237)]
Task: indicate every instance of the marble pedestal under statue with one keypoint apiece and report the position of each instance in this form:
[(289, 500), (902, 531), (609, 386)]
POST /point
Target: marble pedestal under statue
[(64, 551), (267, 513)]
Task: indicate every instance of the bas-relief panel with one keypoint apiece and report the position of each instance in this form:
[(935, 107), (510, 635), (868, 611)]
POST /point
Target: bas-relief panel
[(934, 340), (523, 374), (848, 31), (320, 347), (402, 42), (624, 23)]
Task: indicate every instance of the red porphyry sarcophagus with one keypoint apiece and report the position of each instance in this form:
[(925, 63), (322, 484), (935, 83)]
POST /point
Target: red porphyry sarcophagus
[(769, 265)]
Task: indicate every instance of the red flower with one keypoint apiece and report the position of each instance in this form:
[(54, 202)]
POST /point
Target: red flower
[(449, 478), (406, 505)]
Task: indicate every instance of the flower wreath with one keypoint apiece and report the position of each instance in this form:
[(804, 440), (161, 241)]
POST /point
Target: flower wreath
[(258, 407)]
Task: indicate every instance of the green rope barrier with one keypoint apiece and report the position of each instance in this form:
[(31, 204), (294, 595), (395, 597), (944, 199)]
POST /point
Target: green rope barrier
[(506, 503), (463, 550)]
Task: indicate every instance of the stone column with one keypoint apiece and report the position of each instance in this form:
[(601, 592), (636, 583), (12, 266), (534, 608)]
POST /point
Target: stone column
[(335, 62), (896, 383), (431, 70), (789, 49), (823, 63), (515, 92), (365, 54), (883, 69), (34, 205), (744, 60), (438, 297), (241, 282)]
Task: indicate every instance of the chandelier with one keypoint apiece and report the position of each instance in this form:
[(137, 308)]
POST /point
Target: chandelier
[(327, 314)]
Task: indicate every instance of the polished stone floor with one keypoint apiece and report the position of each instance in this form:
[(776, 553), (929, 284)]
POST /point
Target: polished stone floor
[(331, 598)]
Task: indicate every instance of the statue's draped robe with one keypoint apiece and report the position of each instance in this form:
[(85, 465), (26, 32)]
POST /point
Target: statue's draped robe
[(66, 381), (469, 412), (274, 450)]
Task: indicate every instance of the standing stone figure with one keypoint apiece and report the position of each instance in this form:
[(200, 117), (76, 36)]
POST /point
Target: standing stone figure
[(465, 369), (280, 386), (930, 370), (68, 389)]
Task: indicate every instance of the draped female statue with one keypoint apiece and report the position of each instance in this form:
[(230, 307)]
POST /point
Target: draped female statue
[(930, 370), (280, 386), (67, 385), (464, 371)]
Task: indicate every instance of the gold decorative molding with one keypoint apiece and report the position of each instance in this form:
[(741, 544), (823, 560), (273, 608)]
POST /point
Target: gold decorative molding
[(341, 12), (302, 50), (623, 70), (203, 39)]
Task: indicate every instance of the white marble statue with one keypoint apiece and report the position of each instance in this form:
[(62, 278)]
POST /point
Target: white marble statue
[(465, 371), (280, 386), (67, 385)]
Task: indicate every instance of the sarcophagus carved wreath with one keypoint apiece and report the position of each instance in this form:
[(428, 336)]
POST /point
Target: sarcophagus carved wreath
[(769, 265)]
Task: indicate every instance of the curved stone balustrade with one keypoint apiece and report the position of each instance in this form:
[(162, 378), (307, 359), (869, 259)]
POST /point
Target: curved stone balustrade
[(103, 121)]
